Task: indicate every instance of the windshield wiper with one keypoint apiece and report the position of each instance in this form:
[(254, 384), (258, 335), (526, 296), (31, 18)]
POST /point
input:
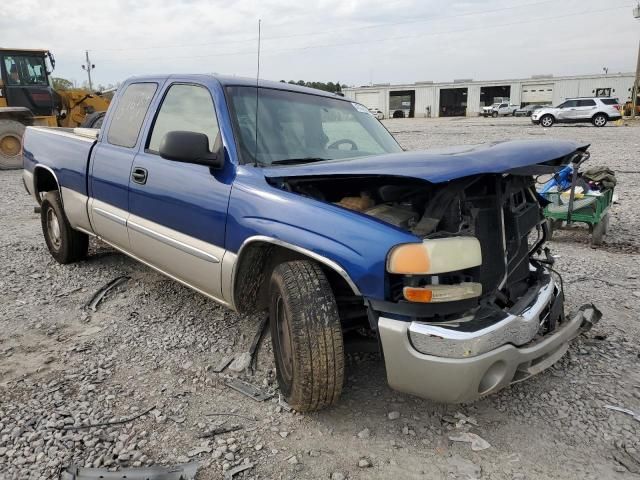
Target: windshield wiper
[(293, 161)]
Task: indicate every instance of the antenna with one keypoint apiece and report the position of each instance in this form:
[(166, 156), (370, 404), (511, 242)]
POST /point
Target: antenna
[(255, 156)]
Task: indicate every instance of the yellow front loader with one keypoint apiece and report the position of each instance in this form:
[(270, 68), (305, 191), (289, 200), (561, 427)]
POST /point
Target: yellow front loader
[(27, 97)]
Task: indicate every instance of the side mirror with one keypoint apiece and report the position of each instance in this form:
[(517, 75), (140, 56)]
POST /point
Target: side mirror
[(191, 147)]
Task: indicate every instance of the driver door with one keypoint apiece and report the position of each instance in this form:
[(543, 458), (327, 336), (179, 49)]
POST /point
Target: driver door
[(567, 110), (178, 211)]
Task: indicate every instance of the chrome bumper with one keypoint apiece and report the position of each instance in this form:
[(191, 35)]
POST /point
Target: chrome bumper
[(467, 378), (514, 329)]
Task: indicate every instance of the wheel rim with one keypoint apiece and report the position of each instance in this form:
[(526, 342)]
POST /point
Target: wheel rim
[(546, 121), (285, 346), (10, 145), (53, 227), (599, 121)]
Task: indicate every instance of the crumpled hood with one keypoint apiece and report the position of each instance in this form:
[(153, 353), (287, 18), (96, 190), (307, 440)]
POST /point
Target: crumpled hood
[(442, 165)]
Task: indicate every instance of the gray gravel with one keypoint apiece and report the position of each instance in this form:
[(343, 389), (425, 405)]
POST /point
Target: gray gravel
[(153, 344)]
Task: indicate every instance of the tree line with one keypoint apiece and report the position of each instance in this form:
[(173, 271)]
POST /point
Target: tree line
[(327, 87)]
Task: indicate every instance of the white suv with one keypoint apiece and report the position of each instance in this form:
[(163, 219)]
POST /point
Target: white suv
[(597, 110)]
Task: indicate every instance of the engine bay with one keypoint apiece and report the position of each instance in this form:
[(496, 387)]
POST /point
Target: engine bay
[(501, 211)]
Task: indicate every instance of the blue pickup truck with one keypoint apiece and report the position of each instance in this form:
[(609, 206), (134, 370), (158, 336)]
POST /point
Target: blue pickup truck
[(277, 198)]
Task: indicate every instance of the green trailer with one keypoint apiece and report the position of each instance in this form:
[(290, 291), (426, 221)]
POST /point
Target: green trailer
[(592, 209)]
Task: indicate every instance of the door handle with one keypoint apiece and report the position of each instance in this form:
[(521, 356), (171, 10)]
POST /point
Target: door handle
[(139, 175)]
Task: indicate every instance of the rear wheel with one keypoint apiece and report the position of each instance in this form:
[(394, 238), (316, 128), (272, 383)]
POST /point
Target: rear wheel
[(547, 121), (65, 244), (11, 133), (599, 120), (306, 336)]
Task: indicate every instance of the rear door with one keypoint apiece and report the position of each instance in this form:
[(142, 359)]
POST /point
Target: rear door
[(178, 211), (111, 164)]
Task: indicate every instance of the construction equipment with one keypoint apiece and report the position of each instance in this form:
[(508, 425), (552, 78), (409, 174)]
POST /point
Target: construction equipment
[(27, 97)]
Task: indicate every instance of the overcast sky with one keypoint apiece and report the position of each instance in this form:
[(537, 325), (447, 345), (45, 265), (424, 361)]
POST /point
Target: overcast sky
[(352, 41)]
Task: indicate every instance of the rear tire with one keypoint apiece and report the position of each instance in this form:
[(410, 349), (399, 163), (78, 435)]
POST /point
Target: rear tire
[(65, 244), (11, 133), (547, 121), (306, 335), (599, 120)]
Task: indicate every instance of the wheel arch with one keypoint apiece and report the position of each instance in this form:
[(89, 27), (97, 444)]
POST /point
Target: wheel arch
[(44, 180), (256, 259)]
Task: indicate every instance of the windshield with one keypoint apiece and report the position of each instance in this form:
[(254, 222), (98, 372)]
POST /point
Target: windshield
[(297, 127)]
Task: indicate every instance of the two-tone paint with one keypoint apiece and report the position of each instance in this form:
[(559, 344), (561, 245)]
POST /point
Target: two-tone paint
[(193, 223)]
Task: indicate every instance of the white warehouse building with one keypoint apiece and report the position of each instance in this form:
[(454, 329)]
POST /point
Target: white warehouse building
[(466, 97)]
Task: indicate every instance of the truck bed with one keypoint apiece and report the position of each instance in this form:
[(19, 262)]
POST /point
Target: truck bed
[(67, 156)]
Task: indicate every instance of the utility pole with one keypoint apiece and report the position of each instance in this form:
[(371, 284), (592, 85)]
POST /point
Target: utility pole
[(88, 67), (636, 80)]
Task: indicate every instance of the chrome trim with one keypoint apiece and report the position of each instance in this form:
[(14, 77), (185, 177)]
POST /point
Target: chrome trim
[(159, 270), (36, 194), (172, 242), (319, 258), (514, 329), (111, 216)]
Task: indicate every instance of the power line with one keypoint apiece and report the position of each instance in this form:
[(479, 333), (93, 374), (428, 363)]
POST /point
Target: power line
[(378, 40), (328, 32)]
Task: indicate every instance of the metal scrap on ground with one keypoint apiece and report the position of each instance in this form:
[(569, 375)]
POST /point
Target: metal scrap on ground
[(99, 295), (636, 416), (229, 474), (186, 471), (249, 390)]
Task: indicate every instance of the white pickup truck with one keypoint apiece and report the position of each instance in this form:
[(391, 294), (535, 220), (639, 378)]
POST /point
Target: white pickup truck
[(499, 109)]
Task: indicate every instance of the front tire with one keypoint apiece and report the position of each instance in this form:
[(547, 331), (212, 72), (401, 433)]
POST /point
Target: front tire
[(599, 120), (306, 335), (547, 121), (494, 114), (65, 244)]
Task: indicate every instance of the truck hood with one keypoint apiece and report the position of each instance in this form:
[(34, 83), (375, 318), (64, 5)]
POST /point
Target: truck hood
[(437, 166)]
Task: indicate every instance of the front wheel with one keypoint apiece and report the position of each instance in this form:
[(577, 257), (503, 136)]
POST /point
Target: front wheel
[(494, 114), (306, 336), (65, 244), (599, 120), (547, 121)]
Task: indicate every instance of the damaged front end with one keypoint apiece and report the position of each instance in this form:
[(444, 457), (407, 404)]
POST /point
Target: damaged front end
[(476, 305)]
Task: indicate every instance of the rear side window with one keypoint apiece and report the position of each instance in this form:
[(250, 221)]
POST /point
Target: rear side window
[(186, 108), (130, 112), (569, 104), (586, 103), (610, 101)]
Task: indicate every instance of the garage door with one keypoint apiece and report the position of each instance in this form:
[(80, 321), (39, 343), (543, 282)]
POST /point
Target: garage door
[(368, 99), (542, 93)]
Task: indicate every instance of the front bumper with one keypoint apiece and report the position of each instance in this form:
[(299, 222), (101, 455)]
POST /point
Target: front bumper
[(458, 377)]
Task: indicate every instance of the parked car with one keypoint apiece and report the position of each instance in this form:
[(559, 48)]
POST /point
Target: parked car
[(595, 110), (376, 112), (527, 110), (499, 109), (325, 223)]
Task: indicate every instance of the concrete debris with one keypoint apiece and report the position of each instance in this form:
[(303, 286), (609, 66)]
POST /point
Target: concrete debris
[(364, 433), (477, 443), (364, 463), (393, 415), (230, 473)]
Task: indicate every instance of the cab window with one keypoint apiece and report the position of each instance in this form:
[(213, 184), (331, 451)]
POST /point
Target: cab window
[(185, 108), (25, 70), (129, 114)]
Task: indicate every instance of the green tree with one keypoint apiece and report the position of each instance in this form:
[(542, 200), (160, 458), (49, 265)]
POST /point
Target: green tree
[(61, 83)]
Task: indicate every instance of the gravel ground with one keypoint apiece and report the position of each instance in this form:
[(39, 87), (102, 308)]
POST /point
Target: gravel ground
[(153, 344)]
